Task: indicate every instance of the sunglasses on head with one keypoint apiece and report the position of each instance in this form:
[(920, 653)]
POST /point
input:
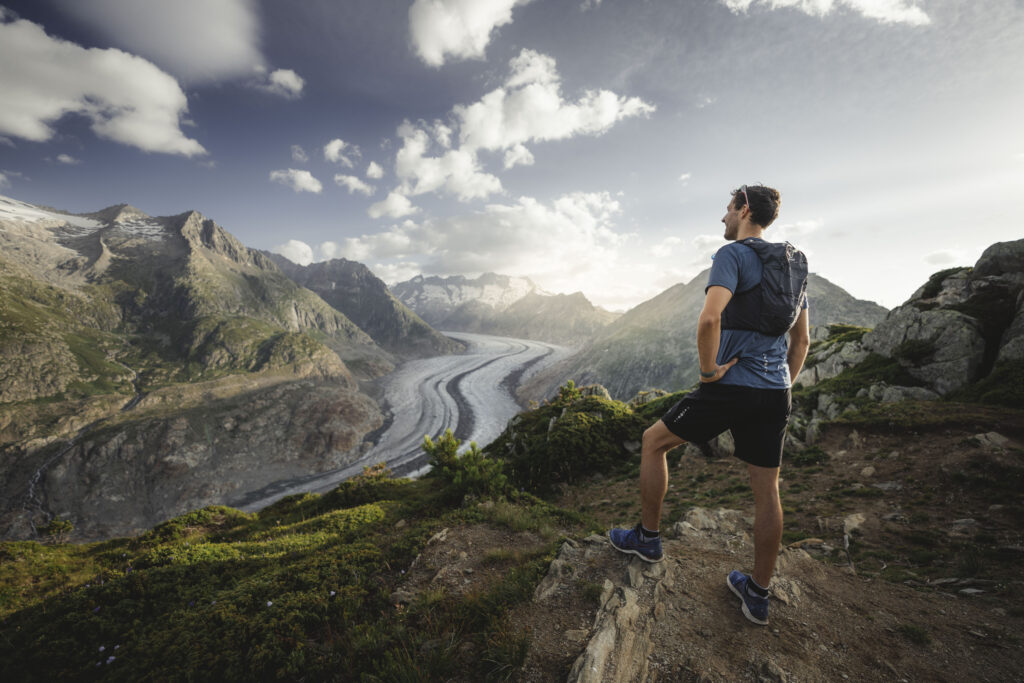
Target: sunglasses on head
[(743, 189)]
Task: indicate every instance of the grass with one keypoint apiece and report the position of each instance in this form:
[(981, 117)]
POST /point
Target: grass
[(299, 589), (918, 635)]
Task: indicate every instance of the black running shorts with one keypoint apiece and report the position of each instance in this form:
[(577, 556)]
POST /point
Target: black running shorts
[(757, 419)]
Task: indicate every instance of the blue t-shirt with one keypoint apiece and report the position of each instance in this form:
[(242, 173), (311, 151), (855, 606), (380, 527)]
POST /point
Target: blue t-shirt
[(762, 361)]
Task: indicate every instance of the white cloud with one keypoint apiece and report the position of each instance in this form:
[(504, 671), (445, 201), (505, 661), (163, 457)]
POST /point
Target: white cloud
[(528, 108), (395, 205), (589, 4), (300, 181), (456, 28), (295, 251), (10, 143), (340, 152), (518, 155), (374, 171), (354, 184), (282, 82), (299, 154), (126, 98), (456, 172), (685, 178), (885, 11), (4, 182), (943, 257), (666, 247), (196, 40), (67, 159)]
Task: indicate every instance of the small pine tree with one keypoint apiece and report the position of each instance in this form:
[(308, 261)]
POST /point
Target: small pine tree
[(471, 473), (57, 530)]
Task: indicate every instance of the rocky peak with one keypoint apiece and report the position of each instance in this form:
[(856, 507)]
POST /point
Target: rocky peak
[(201, 232), (118, 213)]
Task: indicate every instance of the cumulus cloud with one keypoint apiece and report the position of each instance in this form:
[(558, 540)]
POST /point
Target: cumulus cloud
[(395, 205), (299, 154), (300, 181), (528, 108), (456, 28), (67, 159), (281, 82), (374, 171), (943, 257), (517, 156), (295, 251), (354, 184), (340, 152), (126, 98), (685, 178), (196, 40), (4, 182), (7, 142), (885, 11), (456, 172)]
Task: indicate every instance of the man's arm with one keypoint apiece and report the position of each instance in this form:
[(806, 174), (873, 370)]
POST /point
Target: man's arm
[(709, 333), (799, 341)]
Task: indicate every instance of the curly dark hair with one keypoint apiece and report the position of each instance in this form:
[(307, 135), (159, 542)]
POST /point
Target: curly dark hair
[(764, 203)]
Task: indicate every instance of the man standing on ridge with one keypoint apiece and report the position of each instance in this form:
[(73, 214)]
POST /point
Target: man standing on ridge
[(746, 372)]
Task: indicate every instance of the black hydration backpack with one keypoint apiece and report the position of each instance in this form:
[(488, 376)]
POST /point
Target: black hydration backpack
[(772, 306)]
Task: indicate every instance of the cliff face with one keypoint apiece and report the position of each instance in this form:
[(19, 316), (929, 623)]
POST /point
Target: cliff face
[(351, 288), (654, 345), (103, 314)]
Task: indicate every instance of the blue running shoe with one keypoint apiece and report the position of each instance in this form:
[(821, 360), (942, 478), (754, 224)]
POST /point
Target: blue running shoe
[(755, 607), (629, 541)]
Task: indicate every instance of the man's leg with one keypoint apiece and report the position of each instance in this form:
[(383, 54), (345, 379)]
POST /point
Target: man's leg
[(657, 441), (767, 521)]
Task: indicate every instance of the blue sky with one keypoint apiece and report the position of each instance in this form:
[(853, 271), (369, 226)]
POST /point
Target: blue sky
[(588, 144)]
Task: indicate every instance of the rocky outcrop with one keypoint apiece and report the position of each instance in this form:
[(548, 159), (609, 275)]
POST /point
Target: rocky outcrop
[(955, 328)]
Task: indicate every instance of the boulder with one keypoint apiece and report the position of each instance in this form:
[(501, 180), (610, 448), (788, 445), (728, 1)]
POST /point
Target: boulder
[(943, 348)]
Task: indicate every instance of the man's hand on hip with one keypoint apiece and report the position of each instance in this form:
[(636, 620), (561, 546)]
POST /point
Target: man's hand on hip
[(720, 371)]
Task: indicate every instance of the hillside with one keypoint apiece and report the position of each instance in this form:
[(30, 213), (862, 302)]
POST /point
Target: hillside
[(146, 359), (654, 345), (460, 576), (351, 288)]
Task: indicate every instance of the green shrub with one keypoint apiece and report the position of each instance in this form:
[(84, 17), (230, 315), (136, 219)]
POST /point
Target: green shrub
[(470, 473), (57, 530), (564, 443)]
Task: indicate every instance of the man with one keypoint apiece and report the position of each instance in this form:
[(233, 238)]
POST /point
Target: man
[(745, 380)]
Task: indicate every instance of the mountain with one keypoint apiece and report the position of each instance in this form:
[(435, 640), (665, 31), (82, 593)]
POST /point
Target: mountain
[(503, 305), (654, 345), (351, 288), (150, 364)]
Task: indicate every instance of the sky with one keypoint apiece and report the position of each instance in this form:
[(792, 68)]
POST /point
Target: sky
[(590, 145)]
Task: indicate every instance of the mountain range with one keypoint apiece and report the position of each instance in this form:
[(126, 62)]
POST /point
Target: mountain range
[(503, 305), (152, 364), (653, 345)]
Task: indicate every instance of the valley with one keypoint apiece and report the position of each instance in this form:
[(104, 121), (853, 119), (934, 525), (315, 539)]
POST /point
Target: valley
[(470, 393)]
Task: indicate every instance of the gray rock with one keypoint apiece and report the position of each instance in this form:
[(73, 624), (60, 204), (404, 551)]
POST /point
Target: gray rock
[(1011, 346), (957, 347)]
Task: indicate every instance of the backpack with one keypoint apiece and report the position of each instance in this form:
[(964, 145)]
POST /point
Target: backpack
[(772, 306)]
